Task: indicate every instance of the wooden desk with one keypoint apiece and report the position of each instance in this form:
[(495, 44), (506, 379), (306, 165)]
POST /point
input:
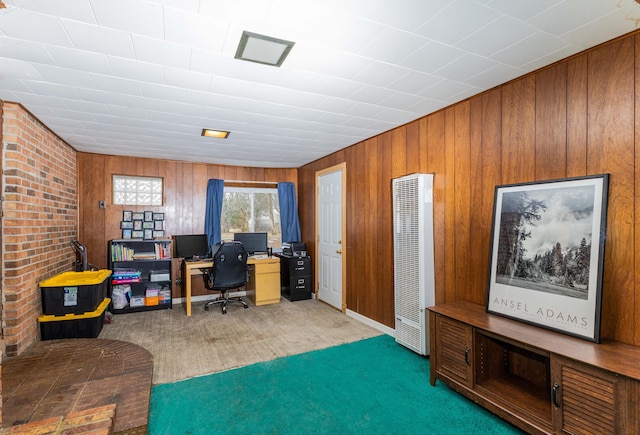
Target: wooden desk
[(264, 279)]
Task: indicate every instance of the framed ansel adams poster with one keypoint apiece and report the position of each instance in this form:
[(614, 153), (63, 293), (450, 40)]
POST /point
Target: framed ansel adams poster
[(547, 254)]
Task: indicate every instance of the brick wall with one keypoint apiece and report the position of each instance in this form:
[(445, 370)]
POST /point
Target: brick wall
[(40, 219)]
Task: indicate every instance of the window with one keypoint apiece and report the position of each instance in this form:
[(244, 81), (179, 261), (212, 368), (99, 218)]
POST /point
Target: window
[(247, 209), (129, 190)]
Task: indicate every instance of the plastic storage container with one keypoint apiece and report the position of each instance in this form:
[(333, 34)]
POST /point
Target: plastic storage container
[(86, 325), (74, 292)]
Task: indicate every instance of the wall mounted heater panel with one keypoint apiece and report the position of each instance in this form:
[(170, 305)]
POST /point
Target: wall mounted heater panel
[(413, 250)]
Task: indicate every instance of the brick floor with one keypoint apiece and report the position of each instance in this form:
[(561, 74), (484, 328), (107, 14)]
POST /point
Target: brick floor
[(56, 381)]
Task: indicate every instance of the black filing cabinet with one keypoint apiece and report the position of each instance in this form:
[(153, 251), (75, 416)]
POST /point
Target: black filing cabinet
[(295, 277)]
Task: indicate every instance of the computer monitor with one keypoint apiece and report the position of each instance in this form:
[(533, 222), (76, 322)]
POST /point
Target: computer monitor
[(252, 242), (192, 245)]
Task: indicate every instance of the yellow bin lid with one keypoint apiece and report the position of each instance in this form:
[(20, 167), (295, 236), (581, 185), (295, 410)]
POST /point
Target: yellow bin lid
[(88, 315), (76, 279)]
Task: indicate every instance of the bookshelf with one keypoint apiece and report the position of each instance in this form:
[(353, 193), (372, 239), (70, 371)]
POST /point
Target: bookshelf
[(141, 275)]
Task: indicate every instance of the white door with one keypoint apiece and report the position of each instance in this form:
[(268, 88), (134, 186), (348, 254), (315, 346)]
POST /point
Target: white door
[(330, 237)]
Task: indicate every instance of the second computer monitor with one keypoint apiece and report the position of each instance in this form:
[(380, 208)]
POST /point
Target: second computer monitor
[(252, 242)]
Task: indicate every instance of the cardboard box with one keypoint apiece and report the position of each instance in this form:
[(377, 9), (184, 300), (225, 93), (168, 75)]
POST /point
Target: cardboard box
[(151, 301), (137, 301)]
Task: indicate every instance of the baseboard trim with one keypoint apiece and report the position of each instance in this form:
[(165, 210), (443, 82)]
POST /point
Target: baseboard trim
[(367, 321)]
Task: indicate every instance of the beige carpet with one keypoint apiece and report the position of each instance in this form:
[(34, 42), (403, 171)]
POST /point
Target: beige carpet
[(209, 341)]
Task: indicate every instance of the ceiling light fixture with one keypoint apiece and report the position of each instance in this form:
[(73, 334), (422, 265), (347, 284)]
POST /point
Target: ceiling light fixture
[(219, 134), (263, 49)]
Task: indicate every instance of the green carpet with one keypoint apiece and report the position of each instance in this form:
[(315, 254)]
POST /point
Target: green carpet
[(373, 386)]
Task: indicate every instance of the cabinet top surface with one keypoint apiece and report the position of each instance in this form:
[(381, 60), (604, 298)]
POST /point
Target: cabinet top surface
[(140, 241), (608, 355)]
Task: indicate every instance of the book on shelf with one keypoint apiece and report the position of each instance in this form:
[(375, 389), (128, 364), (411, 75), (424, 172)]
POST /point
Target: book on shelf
[(125, 276), (162, 251), (121, 252), (125, 280)]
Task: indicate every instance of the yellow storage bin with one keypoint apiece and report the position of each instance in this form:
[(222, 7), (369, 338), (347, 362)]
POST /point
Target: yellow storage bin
[(85, 325), (74, 292)]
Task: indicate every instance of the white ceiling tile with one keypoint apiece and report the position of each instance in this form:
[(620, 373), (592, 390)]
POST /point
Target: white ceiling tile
[(64, 76), (72, 114), (161, 52), (335, 105), (406, 14), (90, 37), (330, 62), (551, 58), (196, 30), (465, 67), (428, 105), (491, 38), (214, 63), (432, 57), (414, 82), (446, 88), (569, 15), (457, 21), (381, 74), (24, 50), (467, 93), (186, 79), (371, 94), (533, 47), (231, 87), (30, 99), (136, 70), (347, 33), (117, 85), (32, 26), (400, 100), (9, 86), (392, 45), (522, 10), (337, 87), (492, 77), (162, 93), (97, 96), (227, 10), (80, 60), (86, 106), (78, 10), (18, 69), (605, 28), (141, 17)]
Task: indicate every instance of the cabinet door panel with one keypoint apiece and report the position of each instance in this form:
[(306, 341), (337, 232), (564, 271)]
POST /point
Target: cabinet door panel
[(587, 398), (453, 347)]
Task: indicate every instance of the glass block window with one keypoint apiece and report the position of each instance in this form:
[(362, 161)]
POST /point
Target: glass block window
[(129, 190)]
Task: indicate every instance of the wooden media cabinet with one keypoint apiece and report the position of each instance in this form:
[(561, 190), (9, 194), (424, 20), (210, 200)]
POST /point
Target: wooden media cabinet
[(539, 380)]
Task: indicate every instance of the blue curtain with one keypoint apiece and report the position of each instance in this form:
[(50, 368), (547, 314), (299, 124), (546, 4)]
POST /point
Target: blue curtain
[(288, 212), (215, 193)]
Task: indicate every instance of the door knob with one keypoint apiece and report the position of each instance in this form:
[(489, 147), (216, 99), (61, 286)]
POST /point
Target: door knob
[(339, 251)]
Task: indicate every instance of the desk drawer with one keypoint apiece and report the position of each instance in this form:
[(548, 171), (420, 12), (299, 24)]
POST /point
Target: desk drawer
[(267, 268), (300, 283)]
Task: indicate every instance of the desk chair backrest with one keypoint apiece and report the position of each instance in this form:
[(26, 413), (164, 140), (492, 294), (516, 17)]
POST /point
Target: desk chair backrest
[(229, 267)]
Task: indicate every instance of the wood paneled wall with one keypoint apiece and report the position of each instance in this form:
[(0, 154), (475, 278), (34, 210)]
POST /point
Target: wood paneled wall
[(574, 118), (185, 189)]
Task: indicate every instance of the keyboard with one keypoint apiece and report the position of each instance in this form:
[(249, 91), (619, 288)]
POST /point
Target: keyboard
[(259, 257)]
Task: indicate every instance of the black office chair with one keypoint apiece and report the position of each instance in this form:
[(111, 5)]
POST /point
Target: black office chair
[(229, 272)]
